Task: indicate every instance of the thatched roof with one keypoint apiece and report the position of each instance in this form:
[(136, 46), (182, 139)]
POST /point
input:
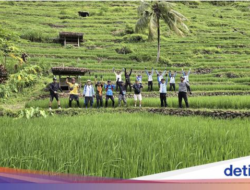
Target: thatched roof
[(70, 34), (69, 71)]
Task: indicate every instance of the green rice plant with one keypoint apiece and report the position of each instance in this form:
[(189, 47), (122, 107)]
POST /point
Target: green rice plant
[(209, 102), (103, 145)]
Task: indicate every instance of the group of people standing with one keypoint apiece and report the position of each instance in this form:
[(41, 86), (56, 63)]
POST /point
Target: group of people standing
[(91, 91)]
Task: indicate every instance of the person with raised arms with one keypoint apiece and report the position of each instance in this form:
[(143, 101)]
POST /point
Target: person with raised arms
[(160, 75), (54, 87), (163, 92), (88, 94), (109, 93), (138, 77), (99, 86), (137, 92), (183, 92), (127, 79), (172, 80), (118, 76), (150, 79), (73, 91), (122, 95), (186, 78)]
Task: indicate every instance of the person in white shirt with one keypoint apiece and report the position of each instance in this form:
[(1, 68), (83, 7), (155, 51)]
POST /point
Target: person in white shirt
[(186, 79), (163, 92), (172, 80), (118, 76), (89, 94), (150, 79), (160, 75)]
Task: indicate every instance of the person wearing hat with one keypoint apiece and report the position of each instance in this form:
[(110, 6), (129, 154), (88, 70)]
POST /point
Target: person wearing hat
[(183, 92), (122, 94), (163, 92), (99, 86), (150, 79), (186, 78), (73, 91), (137, 92), (160, 75), (54, 87), (89, 94), (109, 93)]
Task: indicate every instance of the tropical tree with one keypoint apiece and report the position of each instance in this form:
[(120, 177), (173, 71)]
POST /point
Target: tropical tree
[(151, 13)]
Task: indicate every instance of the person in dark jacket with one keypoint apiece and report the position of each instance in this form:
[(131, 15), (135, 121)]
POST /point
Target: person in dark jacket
[(183, 92), (137, 92), (122, 94), (54, 87), (127, 78)]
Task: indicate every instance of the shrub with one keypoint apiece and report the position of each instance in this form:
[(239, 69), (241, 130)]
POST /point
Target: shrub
[(124, 50), (141, 58), (135, 38), (208, 50), (165, 61), (24, 78), (31, 113), (34, 36), (129, 29)]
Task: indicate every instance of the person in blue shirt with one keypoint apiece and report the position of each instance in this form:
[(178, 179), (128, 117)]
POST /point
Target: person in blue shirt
[(163, 92), (138, 77), (109, 93), (160, 75)]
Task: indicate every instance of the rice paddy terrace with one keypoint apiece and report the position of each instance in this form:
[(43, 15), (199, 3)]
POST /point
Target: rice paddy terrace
[(97, 143), (217, 45)]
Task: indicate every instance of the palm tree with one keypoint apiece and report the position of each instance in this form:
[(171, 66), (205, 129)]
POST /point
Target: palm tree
[(150, 15)]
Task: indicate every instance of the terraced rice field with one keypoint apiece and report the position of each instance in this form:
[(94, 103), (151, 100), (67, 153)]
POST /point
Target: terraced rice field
[(105, 144)]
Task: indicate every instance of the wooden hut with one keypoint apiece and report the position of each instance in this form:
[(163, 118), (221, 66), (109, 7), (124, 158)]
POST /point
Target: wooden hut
[(68, 72), (83, 13), (71, 38)]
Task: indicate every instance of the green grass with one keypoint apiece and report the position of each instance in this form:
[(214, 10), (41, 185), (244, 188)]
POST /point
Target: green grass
[(210, 102), (105, 145)]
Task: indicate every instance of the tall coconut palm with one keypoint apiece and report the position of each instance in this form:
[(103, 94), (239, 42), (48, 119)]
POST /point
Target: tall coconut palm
[(150, 15)]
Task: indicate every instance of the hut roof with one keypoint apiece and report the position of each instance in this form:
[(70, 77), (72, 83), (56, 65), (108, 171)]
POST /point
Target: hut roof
[(69, 71), (70, 34)]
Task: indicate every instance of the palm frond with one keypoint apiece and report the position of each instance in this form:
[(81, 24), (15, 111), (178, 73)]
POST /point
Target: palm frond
[(170, 20), (165, 7), (142, 23), (144, 6), (152, 26)]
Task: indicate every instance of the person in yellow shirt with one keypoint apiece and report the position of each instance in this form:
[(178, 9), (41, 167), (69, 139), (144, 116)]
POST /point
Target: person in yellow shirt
[(99, 88), (73, 91)]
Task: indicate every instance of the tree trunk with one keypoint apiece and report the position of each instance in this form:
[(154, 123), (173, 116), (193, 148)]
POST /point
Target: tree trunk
[(5, 60), (158, 39)]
